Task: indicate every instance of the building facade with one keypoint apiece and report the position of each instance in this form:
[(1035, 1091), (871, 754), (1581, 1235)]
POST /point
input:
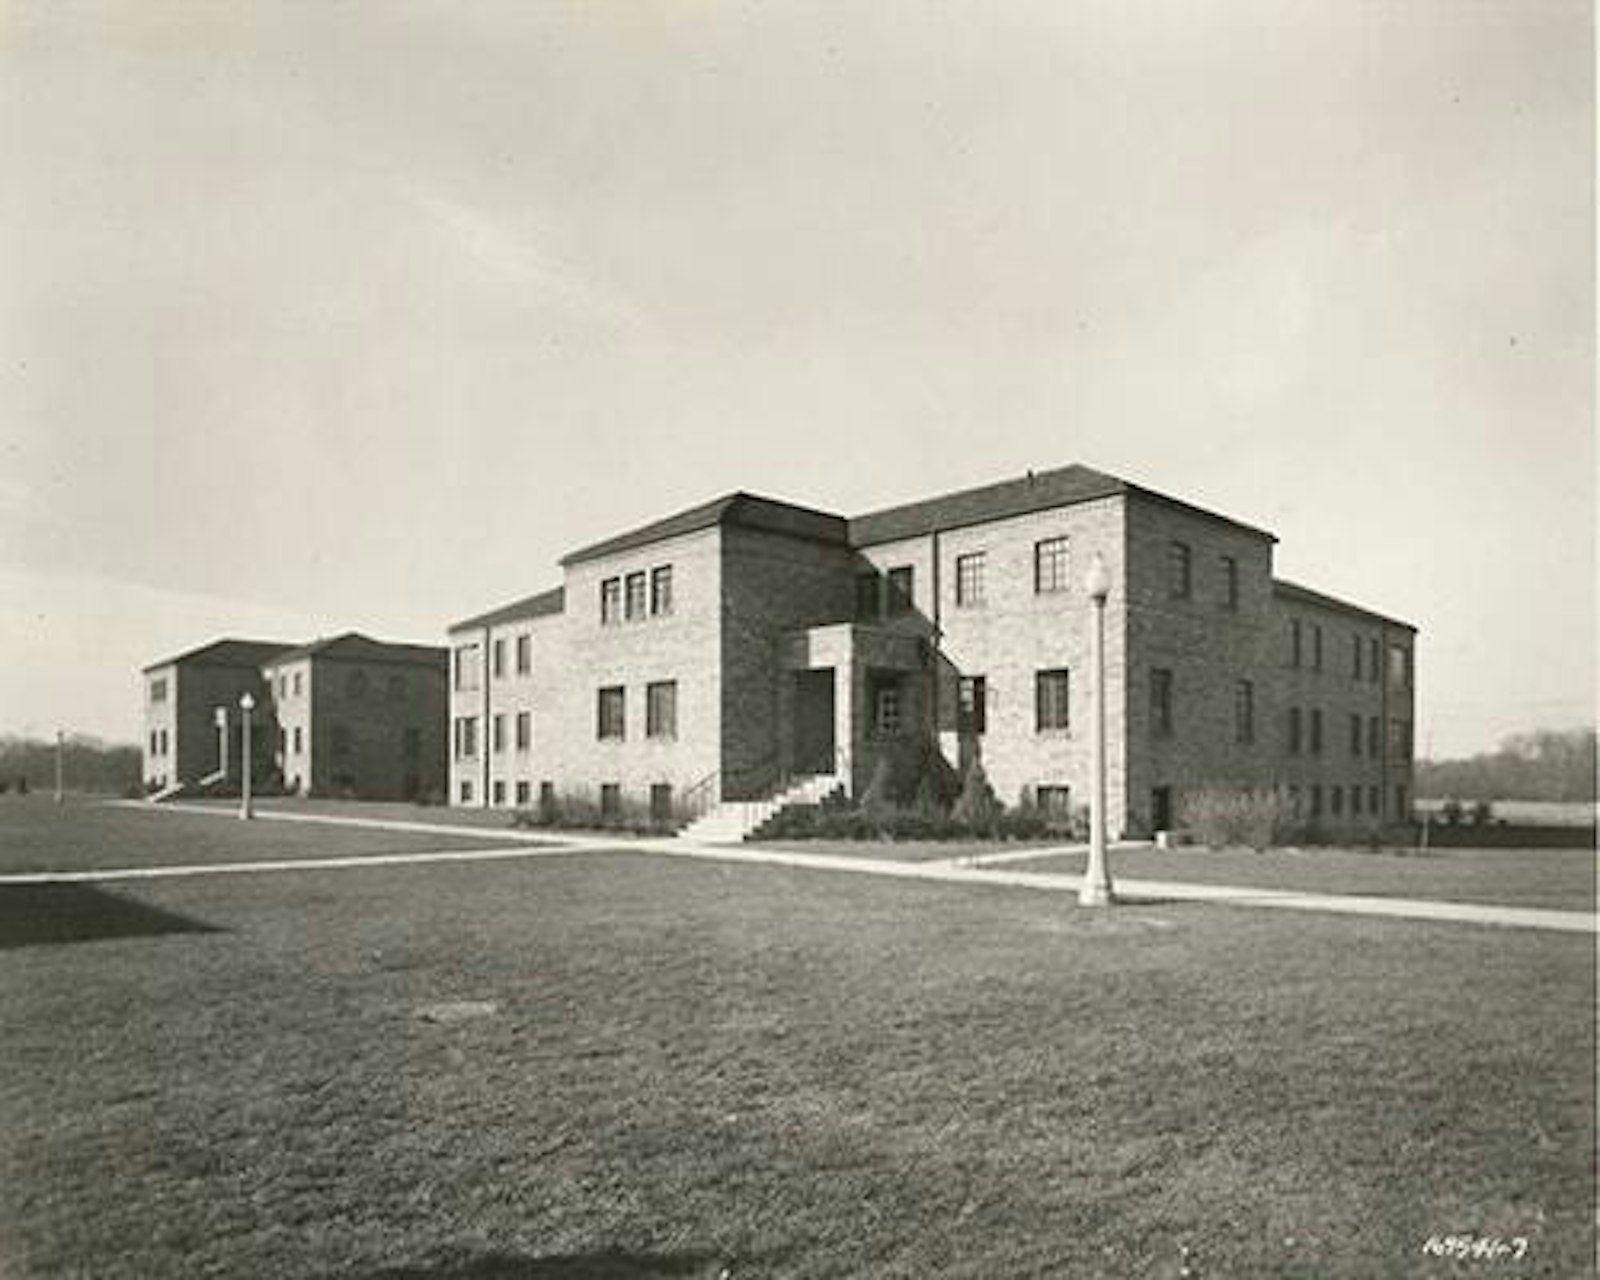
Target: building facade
[(725, 651), (347, 716)]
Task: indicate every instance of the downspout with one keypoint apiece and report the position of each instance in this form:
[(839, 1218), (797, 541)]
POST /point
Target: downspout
[(937, 638), (484, 726)]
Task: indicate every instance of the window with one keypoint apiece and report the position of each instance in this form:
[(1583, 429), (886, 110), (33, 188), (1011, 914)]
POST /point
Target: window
[(900, 585), (1399, 739), (1372, 802), (612, 713), (524, 730), (466, 737), (497, 659), (1355, 657), (299, 739), (497, 731), (1399, 667), (297, 685), (1050, 700), (661, 801), (499, 793), (524, 794), (524, 654), (1316, 731), (661, 591), (886, 707), (1402, 810), (1316, 800), (661, 709), (1373, 669), (866, 597), (466, 791), (1244, 712), (1180, 582), (356, 685), (969, 579), (166, 742), (1355, 735), (158, 689), (1230, 584), (972, 705), (1161, 702), (1295, 722), (634, 596), (466, 668), (1316, 646), (547, 798), (1336, 801), (283, 687), (610, 799), (1056, 801), (1355, 802), (155, 743), (1049, 566), (1296, 646), (610, 602), (1373, 732)]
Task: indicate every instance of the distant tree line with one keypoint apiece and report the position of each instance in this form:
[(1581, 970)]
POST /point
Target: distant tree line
[(88, 764), (1547, 764)]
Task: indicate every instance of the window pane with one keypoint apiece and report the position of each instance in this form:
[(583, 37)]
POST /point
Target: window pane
[(610, 601), (661, 591), (1050, 565), (900, 590), (969, 579), (635, 599), (1050, 699)]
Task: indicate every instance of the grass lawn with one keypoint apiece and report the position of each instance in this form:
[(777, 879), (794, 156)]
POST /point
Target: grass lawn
[(903, 850), (667, 1067), (1563, 879), (82, 835)]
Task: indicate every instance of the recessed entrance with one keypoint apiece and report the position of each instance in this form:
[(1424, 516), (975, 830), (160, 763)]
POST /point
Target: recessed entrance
[(813, 721)]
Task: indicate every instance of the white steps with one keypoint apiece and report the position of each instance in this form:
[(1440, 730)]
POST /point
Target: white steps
[(733, 821)]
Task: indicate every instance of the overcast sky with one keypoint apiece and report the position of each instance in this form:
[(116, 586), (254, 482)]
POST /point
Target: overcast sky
[(319, 317)]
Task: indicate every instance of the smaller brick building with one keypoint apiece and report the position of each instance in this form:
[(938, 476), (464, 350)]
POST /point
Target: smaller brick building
[(182, 697)]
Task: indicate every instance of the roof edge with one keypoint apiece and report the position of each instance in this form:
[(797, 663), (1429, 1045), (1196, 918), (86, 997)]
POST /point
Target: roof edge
[(1294, 591)]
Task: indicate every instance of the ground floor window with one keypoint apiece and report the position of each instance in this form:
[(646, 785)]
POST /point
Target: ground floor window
[(499, 793), (547, 798), (1161, 808), (661, 709), (524, 793), (1372, 802), (886, 707), (610, 799), (972, 705), (1050, 690), (1355, 802), (1336, 801), (466, 791), (1401, 811), (661, 801)]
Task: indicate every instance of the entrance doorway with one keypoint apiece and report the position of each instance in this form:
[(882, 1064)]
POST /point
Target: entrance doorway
[(813, 721)]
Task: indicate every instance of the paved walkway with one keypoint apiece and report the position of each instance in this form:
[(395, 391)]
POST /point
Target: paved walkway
[(948, 871)]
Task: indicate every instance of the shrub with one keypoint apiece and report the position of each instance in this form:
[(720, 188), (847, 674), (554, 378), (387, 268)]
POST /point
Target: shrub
[(976, 807), (1218, 818), (878, 798)]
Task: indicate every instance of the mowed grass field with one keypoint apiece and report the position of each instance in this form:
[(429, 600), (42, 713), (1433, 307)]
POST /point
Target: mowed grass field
[(618, 1064)]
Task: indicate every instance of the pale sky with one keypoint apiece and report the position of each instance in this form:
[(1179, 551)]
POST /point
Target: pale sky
[(318, 317)]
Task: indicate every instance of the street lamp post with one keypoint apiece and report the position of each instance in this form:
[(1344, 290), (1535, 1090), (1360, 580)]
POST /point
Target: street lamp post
[(247, 704), (1096, 888), (220, 719)]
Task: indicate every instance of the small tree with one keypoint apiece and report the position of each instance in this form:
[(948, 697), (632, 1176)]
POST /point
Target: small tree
[(976, 807), (878, 799)]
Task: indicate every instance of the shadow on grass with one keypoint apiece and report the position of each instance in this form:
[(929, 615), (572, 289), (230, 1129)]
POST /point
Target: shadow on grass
[(608, 1264), (39, 915)]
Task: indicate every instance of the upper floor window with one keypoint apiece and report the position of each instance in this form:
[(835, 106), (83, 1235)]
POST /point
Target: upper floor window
[(1295, 722), (969, 579), (524, 730), (466, 737), (283, 686), (972, 705), (1374, 668), (1180, 571), (661, 591), (1355, 734), (524, 654), (1296, 642), (497, 731), (1161, 701), (1244, 712), (1399, 667), (158, 689), (634, 596), (900, 598), (497, 659), (1355, 656), (610, 601), (1230, 584), (1049, 565), (661, 709), (1316, 731), (1399, 738), (866, 597), (612, 713), (1051, 700), (467, 656), (1373, 731), (1316, 646), (298, 686)]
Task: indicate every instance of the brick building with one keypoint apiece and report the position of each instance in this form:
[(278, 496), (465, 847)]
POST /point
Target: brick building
[(342, 716), (728, 650)]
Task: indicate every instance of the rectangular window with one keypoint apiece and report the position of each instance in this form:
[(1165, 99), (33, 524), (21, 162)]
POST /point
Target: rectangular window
[(866, 597), (886, 708), (661, 801), (524, 654), (1296, 646), (467, 659), (1355, 735), (1336, 801), (158, 689), (610, 602), (610, 799), (1399, 739), (1355, 657), (297, 684), (497, 732), (1161, 702), (1316, 646), (524, 730), (499, 793), (1374, 668), (1373, 731), (1295, 723), (283, 687), (972, 705), (1316, 800), (900, 585), (612, 714), (1051, 705), (1244, 712), (1355, 802), (524, 794), (299, 739), (661, 709), (969, 579), (1372, 802), (155, 743), (1399, 667), (166, 742), (1049, 566), (497, 659), (1180, 579), (466, 791), (661, 591), (1316, 731), (1053, 800), (634, 596), (1230, 584)]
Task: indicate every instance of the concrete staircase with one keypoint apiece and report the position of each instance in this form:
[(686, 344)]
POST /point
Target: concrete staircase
[(734, 821)]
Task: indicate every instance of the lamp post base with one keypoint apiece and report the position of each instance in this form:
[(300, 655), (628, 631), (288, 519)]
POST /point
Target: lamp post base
[(1092, 894)]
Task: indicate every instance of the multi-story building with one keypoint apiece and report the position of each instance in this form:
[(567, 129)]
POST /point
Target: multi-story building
[(346, 716), (731, 648)]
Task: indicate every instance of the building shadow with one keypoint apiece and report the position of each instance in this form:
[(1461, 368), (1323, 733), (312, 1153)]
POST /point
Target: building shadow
[(607, 1264), (42, 915)]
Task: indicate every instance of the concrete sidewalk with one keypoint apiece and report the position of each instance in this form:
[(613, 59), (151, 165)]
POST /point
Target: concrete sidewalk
[(984, 870)]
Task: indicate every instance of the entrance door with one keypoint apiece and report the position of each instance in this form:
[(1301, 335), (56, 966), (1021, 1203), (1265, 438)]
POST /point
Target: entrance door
[(813, 721), (1161, 809)]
